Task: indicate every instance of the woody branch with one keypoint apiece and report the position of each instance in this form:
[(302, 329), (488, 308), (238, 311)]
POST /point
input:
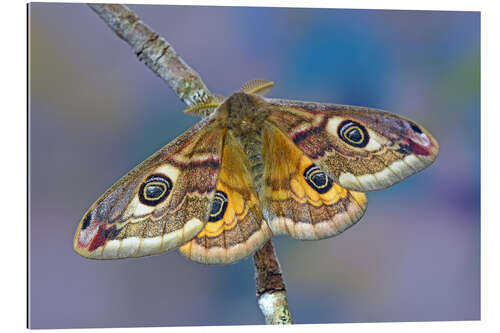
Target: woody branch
[(155, 52), (162, 59)]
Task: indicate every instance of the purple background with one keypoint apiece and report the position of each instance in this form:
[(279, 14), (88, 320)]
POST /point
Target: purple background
[(96, 112)]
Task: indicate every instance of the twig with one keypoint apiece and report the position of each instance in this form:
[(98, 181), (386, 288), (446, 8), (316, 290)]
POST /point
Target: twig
[(271, 292), (155, 52), (161, 58)]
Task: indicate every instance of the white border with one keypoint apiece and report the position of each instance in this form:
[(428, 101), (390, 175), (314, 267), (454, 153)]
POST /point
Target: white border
[(13, 277)]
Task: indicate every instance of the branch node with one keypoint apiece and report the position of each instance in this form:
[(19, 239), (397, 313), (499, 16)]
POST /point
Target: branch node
[(270, 287), (274, 306)]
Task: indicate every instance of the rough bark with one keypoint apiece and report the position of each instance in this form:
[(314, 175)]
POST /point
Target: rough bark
[(271, 292), (155, 52)]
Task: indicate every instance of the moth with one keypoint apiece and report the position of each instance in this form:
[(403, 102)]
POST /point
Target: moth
[(252, 168)]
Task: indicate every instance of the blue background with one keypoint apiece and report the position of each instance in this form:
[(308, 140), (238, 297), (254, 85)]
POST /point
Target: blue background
[(96, 112)]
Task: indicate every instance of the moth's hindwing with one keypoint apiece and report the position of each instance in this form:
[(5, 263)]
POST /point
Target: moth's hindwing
[(300, 200), (360, 148), (159, 205), (235, 227)]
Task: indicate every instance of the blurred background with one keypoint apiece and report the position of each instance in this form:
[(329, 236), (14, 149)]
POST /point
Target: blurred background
[(96, 112)]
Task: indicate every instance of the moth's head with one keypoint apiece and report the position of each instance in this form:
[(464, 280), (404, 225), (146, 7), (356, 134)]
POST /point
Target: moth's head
[(244, 101), (247, 96)]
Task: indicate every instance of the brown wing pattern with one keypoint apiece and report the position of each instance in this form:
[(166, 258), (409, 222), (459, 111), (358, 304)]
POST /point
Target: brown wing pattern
[(309, 160), (360, 148), (159, 205), (235, 228), (300, 200)]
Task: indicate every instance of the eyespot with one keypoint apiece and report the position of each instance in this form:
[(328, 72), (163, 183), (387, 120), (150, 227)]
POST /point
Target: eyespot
[(353, 133), (317, 179), (155, 189), (219, 206)]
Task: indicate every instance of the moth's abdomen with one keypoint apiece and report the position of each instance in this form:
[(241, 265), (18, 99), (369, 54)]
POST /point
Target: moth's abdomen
[(252, 147)]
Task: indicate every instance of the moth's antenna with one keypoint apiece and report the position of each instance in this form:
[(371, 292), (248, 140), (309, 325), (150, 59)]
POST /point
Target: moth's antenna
[(259, 87), (206, 108)]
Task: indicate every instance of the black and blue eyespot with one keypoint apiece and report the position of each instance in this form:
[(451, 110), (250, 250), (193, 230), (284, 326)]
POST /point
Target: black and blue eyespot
[(219, 206), (155, 189), (317, 179), (353, 133)]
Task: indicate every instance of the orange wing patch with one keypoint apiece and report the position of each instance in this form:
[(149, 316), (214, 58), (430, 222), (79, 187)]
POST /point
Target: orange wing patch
[(300, 199), (235, 227)]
